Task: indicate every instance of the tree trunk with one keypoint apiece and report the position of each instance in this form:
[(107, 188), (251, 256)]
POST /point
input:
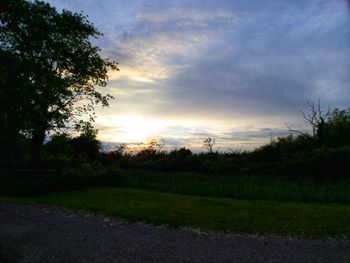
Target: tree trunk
[(40, 126), (320, 132), (37, 143)]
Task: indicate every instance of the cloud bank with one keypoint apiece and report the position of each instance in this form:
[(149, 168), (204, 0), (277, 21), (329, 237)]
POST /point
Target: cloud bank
[(233, 70)]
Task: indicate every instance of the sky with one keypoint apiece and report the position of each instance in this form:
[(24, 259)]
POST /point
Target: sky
[(235, 70)]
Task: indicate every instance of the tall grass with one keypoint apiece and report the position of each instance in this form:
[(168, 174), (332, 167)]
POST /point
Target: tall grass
[(236, 187), (240, 187)]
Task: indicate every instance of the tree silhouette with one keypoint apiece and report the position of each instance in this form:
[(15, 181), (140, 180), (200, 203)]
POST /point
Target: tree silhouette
[(60, 66), (329, 128), (208, 143)]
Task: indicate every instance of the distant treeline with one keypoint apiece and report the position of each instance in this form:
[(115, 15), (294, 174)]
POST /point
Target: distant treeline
[(321, 157), (323, 154)]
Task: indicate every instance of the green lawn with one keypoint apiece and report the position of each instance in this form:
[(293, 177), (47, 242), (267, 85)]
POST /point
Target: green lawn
[(208, 213)]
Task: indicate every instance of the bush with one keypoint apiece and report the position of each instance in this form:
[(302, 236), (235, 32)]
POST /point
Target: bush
[(37, 182)]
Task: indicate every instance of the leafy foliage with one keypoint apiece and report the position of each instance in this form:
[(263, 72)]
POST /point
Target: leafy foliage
[(52, 58), (337, 128), (84, 146)]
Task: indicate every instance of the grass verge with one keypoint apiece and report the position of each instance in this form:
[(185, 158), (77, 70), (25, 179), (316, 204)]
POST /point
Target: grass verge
[(238, 216)]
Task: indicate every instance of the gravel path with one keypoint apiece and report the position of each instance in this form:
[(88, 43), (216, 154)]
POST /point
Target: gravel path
[(37, 233)]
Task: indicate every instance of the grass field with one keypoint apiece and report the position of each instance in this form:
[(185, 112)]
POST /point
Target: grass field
[(242, 204), (238, 216)]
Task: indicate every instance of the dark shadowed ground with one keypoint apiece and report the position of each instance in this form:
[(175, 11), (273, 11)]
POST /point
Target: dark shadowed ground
[(37, 233)]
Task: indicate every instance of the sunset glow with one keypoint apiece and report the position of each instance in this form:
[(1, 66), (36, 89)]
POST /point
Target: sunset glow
[(136, 129)]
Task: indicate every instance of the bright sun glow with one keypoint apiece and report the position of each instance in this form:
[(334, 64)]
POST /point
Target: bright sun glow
[(138, 129), (135, 129)]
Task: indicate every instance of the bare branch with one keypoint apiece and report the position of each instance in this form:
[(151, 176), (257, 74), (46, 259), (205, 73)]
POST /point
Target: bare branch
[(305, 134)]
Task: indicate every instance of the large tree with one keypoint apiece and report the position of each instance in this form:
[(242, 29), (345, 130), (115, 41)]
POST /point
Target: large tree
[(55, 68)]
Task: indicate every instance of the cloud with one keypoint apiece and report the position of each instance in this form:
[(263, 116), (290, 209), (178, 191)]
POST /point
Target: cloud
[(212, 67), (277, 63)]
